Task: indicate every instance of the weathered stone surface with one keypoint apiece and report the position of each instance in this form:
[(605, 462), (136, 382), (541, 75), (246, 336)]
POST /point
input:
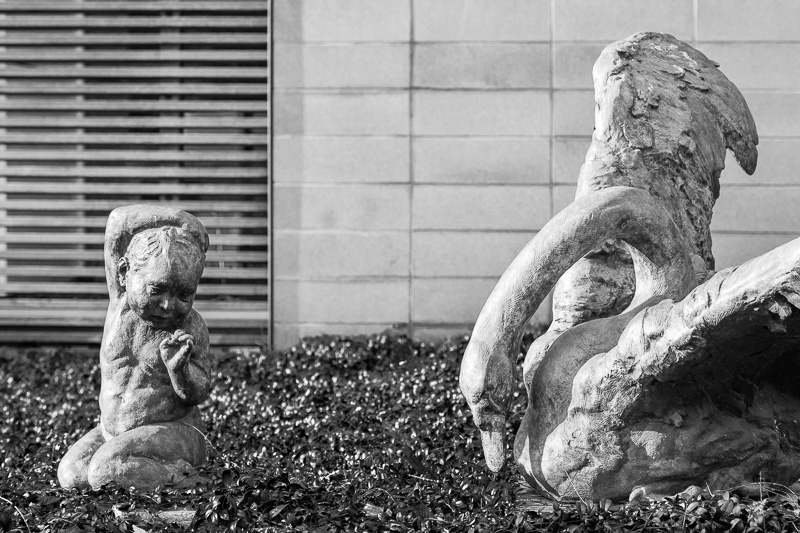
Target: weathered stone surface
[(154, 359), (657, 372), (664, 117)]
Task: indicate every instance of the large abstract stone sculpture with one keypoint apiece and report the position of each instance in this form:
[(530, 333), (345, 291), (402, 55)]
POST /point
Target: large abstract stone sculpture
[(656, 372), (154, 358)]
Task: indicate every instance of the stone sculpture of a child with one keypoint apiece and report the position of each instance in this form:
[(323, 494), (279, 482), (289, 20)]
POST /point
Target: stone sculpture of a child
[(154, 359)]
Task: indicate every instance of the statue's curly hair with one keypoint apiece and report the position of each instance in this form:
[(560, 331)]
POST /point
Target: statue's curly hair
[(153, 242)]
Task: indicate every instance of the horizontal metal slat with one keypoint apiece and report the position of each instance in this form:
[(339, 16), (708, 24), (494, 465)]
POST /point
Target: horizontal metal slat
[(17, 87), (40, 105), (220, 239), (99, 272), (121, 68), (82, 56), (115, 5), (32, 187), (82, 304), (118, 38), (100, 288), (213, 255), (211, 223), (108, 205), (216, 173), (62, 21), (206, 122), (72, 320), (24, 334), (254, 156), (45, 71), (244, 139)]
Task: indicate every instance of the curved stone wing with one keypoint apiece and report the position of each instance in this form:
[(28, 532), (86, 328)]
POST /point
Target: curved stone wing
[(706, 388)]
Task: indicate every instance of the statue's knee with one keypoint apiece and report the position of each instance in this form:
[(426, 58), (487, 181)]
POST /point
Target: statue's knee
[(72, 474), (101, 470)]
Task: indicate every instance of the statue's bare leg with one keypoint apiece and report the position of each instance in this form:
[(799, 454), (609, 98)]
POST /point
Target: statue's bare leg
[(74, 466), (147, 456)]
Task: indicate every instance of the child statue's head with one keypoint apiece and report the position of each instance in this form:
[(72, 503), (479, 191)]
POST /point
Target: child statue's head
[(160, 273)]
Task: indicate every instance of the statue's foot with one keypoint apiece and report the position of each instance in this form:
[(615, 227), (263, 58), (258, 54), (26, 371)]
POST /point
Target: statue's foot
[(184, 476), (689, 493), (190, 482)]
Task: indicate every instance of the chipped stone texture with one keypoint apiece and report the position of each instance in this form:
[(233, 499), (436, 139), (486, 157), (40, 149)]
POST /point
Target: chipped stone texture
[(664, 117), (155, 361), (659, 373)]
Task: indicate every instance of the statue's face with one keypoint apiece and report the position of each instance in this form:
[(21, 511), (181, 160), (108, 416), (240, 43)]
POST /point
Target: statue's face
[(162, 291)]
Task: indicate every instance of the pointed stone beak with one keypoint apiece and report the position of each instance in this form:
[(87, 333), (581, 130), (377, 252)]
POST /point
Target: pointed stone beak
[(494, 449)]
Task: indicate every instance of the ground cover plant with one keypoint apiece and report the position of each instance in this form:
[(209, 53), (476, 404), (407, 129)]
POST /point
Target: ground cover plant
[(336, 434)]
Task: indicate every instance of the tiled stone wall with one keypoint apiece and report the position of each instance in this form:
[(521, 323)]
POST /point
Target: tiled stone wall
[(419, 144)]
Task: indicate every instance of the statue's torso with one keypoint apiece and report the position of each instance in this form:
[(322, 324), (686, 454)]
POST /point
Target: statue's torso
[(136, 389)]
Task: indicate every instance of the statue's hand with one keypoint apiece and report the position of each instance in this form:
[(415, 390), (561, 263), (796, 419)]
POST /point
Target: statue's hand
[(176, 350)]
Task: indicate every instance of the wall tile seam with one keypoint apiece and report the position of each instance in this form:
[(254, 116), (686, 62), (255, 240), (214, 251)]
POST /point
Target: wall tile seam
[(482, 185), (396, 90), (518, 231), (385, 325), (782, 138), (341, 91), (479, 231), (424, 42), (455, 183), (344, 232), (320, 325), (343, 279), (383, 136), (756, 186), (480, 89), (353, 91), (735, 233), (726, 184), (402, 185), (552, 76), (767, 90), (558, 41), (310, 183), (761, 137), (270, 323), (702, 42), (411, 170), (399, 278), (339, 136), (333, 185), (403, 44), (421, 181), (597, 42), (485, 277), (465, 329), (342, 44), (425, 323), (388, 89), (744, 89)]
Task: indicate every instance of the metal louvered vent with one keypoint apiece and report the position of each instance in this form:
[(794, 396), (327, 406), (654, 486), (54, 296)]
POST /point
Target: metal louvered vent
[(106, 103)]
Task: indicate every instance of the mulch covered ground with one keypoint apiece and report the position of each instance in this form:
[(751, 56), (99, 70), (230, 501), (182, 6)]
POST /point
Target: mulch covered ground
[(335, 434)]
